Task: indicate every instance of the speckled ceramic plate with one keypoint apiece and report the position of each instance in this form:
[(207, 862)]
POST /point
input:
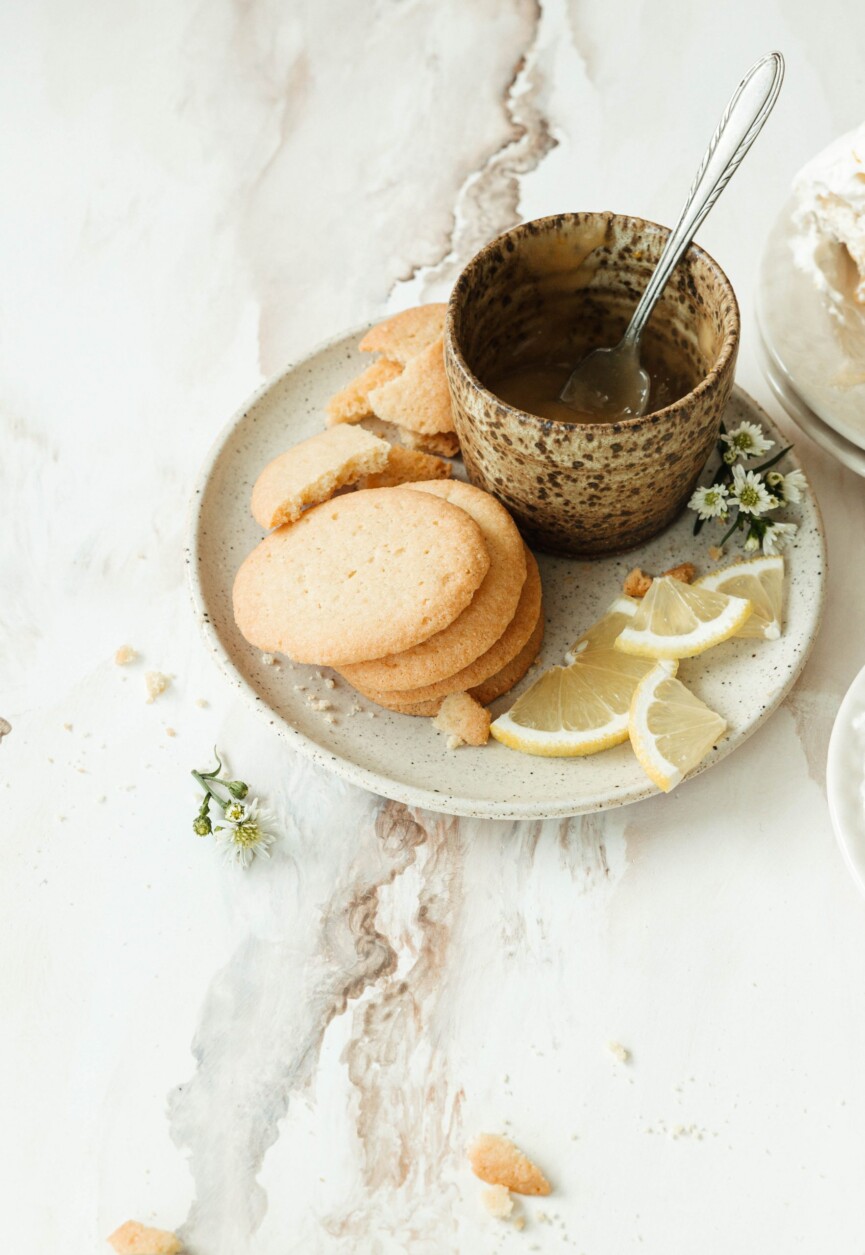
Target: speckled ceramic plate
[(845, 780), (405, 758)]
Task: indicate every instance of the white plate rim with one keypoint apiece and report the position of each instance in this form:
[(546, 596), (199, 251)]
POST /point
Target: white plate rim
[(837, 425), (798, 409), (837, 780), (373, 781)]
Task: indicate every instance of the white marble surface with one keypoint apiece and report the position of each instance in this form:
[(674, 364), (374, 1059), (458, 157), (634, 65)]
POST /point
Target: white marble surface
[(291, 1060)]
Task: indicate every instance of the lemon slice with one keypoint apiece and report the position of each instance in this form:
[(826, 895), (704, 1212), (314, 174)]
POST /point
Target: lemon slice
[(583, 708), (761, 580), (676, 620), (602, 634), (671, 729)]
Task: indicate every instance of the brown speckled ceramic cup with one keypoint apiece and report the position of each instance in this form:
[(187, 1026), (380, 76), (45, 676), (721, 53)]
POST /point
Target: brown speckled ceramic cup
[(588, 489)]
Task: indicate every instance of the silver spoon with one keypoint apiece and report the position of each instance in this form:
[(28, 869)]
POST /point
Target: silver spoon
[(611, 383)]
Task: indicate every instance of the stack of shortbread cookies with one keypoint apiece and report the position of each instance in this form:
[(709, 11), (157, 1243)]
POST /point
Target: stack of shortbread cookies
[(415, 586)]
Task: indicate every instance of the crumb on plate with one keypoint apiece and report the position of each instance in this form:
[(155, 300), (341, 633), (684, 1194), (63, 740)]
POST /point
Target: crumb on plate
[(621, 1052), (464, 719), (637, 583), (124, 655)]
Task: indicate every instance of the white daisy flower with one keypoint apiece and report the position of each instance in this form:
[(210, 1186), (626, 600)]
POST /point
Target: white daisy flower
[(750, 492), (235, 813), (794, 486), (752, 543), (709, 502), (747, 441), (777, 536), (241, 842)]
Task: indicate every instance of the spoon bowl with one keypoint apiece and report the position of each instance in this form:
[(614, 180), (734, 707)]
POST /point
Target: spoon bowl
[(610, 384)]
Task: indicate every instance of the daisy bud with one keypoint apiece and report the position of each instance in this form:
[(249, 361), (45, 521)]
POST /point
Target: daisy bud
[(202, 826), (237, 788)]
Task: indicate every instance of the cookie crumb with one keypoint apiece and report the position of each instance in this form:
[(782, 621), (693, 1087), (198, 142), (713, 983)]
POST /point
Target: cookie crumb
[(637, 583), (621, 1052), (498, 1161), (520, 1223), (134, 1238), (329, 682), (124, 655), (270, 660), (67, 727), (497, 1201), (684, 572), (317, 703), (455, 742), (170, 732), (331, 719), (202, 702), (156, 683), (716, 552)]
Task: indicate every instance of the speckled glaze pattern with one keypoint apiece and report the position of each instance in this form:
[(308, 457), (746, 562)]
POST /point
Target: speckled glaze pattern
[(405, 758), (577, 488)]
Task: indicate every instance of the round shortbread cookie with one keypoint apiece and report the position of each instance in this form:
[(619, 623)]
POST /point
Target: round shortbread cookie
[(506, 648), (497, 685), (369, 573), (482, 622)]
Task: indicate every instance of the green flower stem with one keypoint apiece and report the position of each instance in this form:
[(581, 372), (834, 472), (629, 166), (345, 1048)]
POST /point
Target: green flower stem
[(758, 470), (204, 781), (736, 524)]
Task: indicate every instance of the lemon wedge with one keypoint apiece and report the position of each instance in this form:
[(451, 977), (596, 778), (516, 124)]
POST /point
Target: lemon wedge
[(582, 708), (671, 730), (676, 620), (761, 580)]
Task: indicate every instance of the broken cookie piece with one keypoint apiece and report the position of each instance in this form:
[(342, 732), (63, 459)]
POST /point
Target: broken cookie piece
[(403, 336), (312, 472), (496, 1160), (419, 398), (445, 444), (465, 721), (134, 1238), (407, 466), (351, 403)]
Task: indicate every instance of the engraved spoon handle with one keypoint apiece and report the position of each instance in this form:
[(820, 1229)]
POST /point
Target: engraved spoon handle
[(740, 124)]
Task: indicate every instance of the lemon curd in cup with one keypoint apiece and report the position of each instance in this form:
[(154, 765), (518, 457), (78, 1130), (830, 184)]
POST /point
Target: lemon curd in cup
[(535, 385)]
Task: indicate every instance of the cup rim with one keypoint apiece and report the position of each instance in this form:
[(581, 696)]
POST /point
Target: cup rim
[(709, 381)]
